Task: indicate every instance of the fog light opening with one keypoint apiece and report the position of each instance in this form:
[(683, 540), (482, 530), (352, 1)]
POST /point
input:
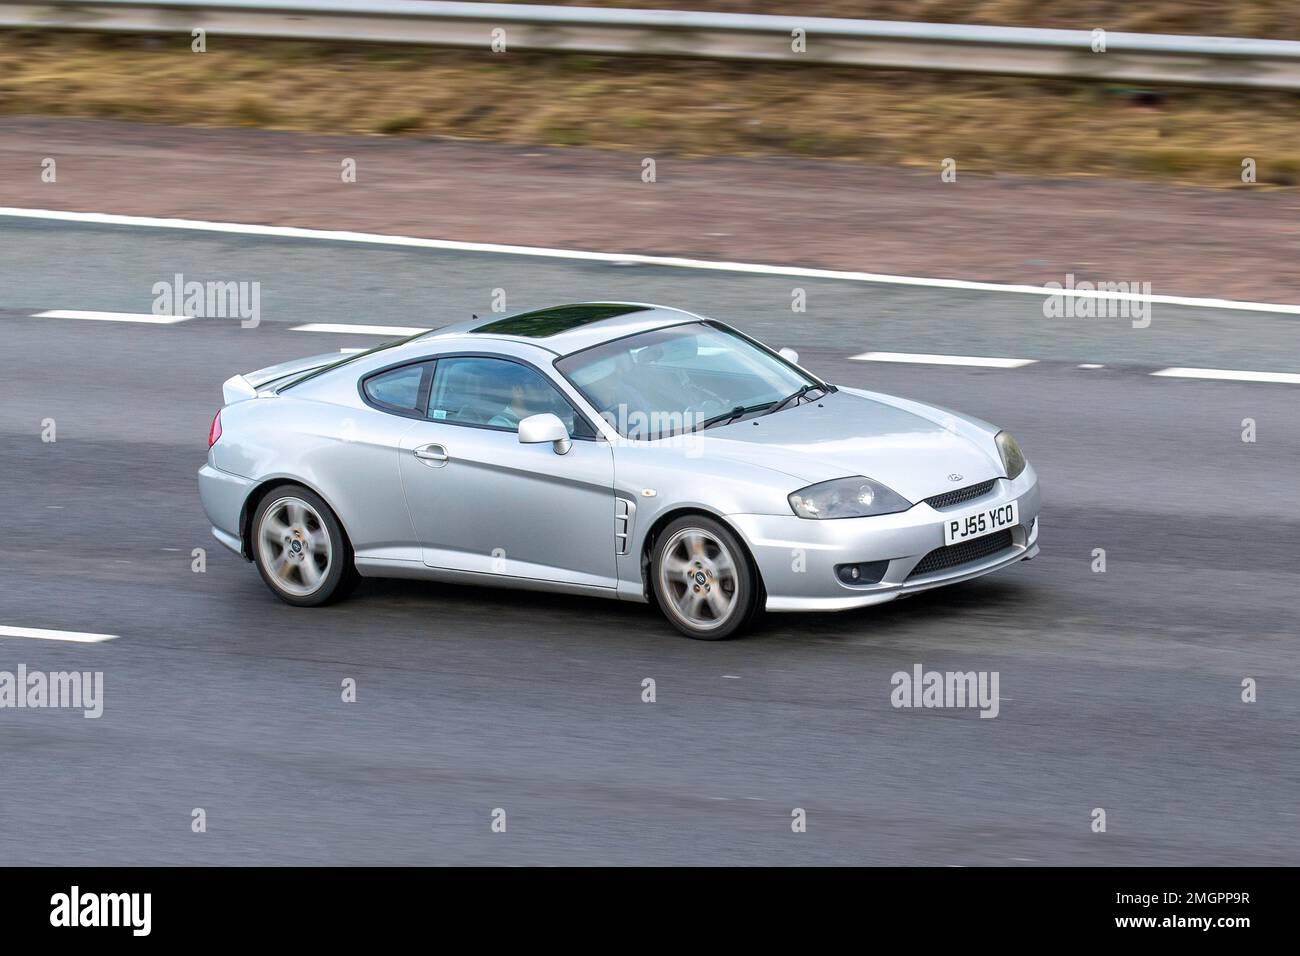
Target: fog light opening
[(861, 573)]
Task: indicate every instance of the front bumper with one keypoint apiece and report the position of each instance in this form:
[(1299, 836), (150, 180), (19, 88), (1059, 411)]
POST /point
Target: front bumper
[(223, 496), (797, 556)]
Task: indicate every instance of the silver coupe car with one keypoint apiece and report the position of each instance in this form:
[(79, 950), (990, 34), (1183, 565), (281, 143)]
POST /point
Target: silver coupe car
[(611, 449)]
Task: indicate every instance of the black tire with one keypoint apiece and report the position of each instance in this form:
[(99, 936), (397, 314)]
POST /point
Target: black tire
[(288, 552), (698, 563)]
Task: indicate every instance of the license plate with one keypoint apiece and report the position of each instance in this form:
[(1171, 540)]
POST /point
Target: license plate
[(976, 524)]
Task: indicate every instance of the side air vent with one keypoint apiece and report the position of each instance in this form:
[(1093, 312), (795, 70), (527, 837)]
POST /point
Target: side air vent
[(624, 512)]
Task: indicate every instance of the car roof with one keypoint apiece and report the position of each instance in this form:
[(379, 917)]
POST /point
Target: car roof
[(556, 331), (565, 329)]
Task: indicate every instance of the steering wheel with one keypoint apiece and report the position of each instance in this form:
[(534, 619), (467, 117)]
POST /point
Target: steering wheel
[(711, 398)]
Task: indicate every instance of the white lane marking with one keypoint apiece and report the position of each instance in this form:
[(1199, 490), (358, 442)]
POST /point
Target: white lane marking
[(618, 258), (356, 329), (39, 634), (1230, 375), (919, 358), (111, 316)]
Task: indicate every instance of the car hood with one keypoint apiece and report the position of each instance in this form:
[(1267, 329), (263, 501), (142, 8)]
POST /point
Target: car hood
[(915, 450)]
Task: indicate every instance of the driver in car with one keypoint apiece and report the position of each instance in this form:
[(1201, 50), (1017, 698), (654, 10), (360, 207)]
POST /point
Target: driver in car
[(527, 397)]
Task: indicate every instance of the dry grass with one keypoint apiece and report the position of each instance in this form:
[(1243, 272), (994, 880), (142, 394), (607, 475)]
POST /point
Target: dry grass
[(656, 107)]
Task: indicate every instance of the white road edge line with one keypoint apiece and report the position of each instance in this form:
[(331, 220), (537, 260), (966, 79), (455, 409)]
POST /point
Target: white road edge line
[(919, 358), (357, 329), (1230, 375), (295, 232), (111, 316), (39, 634)]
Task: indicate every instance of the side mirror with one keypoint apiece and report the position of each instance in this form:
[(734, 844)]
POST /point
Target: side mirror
[(790, 355), (536, 429)]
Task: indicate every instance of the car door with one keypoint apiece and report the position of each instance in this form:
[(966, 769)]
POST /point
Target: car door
[(481, 501)]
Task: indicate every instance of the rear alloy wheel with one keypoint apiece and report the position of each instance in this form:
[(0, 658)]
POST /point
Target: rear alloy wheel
[(300, 548), (703, 579)]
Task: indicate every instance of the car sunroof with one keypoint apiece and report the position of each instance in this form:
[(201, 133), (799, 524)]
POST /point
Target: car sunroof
[(545, 322)]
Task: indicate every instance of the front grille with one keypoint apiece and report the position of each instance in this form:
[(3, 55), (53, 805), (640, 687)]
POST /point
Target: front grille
[(950, 498), (964, 553)]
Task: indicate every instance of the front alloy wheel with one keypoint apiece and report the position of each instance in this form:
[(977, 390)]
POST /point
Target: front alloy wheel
[(703, 579)]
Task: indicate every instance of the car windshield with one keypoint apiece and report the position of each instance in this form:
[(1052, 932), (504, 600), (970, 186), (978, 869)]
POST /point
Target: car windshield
[(681, 379)]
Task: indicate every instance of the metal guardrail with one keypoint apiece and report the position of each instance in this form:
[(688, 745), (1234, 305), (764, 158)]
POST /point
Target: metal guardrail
[(1128, 57)]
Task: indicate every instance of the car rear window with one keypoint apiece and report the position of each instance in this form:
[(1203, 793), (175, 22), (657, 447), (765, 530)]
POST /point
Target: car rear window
[(397, 388)]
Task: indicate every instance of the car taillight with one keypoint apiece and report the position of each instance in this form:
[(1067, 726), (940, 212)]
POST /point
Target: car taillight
[(215, 431)]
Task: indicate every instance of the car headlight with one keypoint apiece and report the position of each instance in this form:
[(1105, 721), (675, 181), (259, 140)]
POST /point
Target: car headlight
[(1013, 459), (855, 497)]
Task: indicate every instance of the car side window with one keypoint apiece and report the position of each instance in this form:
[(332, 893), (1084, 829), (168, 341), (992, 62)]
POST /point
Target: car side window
[(398, 388), (496, 393)]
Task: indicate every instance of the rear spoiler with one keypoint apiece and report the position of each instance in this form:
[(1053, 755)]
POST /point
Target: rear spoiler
[(237, 389), (240, 388)]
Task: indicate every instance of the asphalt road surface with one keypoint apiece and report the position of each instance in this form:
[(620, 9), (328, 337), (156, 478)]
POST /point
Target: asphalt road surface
[(1120, 690)]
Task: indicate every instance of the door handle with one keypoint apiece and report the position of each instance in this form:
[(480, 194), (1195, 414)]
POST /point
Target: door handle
[(433, 453)]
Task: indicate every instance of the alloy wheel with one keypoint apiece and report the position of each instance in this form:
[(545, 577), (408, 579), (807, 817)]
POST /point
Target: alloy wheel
[(698, 575), (295, 546)]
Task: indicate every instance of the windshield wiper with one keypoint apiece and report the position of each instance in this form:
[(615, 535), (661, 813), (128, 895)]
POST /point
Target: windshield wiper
[(726, 418), (804, 390)]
